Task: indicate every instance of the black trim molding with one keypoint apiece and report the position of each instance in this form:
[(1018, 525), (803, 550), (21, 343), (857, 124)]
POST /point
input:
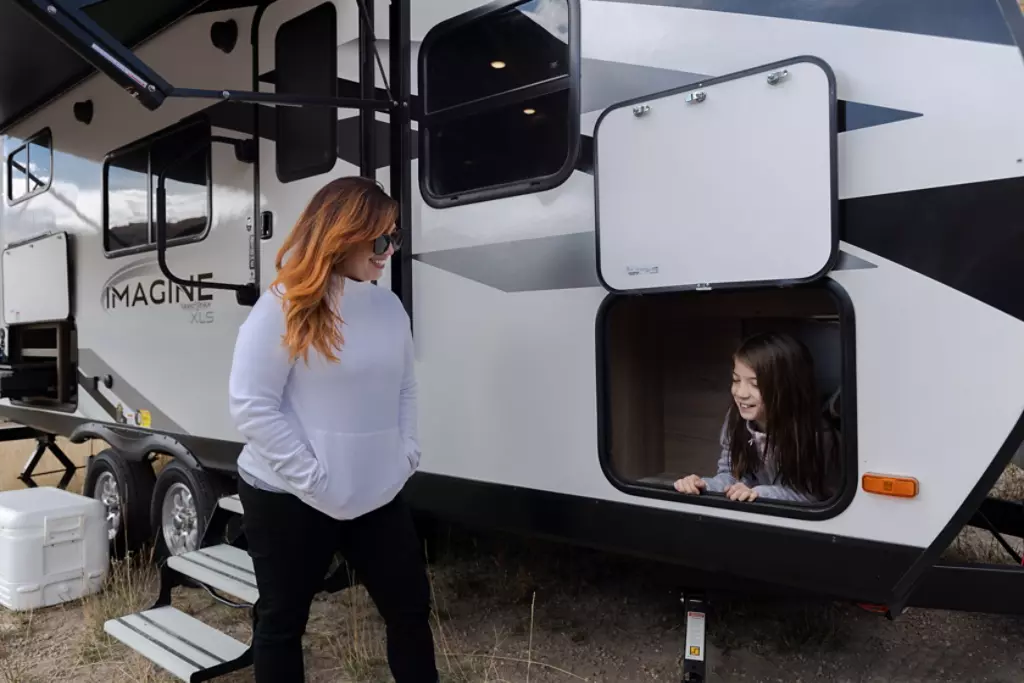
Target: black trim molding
[(848, 419), (828, 565)]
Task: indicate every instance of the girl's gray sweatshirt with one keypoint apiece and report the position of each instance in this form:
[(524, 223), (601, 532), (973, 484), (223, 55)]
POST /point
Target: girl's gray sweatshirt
[(765, 480)]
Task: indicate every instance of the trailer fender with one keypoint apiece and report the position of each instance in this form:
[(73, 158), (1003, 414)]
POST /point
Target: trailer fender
[(134, 444)]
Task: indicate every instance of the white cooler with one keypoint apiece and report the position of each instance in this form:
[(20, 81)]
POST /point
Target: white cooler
[(53, 547)]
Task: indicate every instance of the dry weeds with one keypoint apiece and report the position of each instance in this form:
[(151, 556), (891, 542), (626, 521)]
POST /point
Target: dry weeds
[(500, 614)]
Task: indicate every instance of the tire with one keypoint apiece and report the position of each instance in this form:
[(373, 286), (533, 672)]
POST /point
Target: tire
[(126, 489), (191, 497)]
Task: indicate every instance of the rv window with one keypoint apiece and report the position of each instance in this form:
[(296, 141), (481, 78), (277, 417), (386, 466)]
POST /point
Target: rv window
[(500, 102), (29, 168), (127, 179), (667, 380), (306, 62), (130, 178)]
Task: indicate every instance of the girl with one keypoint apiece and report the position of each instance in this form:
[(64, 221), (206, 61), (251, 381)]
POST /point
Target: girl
[(322, 389), (775, 443)]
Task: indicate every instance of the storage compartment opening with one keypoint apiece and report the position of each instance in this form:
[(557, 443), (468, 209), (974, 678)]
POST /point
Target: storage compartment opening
[(41, 366), (666, 381)]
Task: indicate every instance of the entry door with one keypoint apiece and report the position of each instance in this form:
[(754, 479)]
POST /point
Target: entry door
[(730, 182)]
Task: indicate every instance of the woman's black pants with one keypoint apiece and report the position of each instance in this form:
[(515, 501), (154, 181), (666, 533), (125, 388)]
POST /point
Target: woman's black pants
[(292, 545)]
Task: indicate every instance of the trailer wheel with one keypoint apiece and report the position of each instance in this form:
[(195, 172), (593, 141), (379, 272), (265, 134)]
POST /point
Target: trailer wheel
[(183, 502), (125, 487)]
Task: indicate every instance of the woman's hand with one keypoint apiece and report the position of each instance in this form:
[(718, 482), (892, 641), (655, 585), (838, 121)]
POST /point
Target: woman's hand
[(740, 491), (691, 484)]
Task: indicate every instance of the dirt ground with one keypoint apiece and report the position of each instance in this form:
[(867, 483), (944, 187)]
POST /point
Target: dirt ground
[(510, 609)]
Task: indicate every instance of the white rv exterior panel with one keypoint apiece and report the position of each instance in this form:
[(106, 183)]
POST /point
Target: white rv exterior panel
[(727, 182), (36, 281)]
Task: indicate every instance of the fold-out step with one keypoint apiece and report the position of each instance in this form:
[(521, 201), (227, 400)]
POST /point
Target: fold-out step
[(223, 567), (231, 504), (184, 646)]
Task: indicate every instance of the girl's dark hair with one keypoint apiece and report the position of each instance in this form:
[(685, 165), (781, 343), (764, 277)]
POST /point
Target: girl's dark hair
[(793, 421)]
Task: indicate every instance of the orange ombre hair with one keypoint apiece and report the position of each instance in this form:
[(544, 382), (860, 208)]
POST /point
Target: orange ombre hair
[(341, 215)]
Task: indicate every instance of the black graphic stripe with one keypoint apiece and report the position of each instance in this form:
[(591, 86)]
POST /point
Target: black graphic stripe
[(221, 5), (980, 20), (178, 636), (969, 237), (88, 383), (163, 646), (221, 572)]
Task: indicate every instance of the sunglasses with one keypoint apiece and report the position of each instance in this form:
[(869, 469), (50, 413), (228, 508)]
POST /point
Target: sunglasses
[(381, 244)]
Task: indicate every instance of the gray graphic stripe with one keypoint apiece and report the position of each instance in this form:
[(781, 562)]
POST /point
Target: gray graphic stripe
[(91, 365), (604, 84), (980, 20), (543, 263)]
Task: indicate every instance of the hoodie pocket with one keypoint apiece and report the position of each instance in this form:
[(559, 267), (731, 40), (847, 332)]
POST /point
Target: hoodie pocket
[(363, 470)]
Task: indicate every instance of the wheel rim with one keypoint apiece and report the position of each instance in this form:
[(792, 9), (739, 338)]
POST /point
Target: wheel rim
[(106, 492), (179, 520)]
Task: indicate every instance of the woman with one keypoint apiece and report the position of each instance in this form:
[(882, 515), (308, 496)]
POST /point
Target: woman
[(322, 388)]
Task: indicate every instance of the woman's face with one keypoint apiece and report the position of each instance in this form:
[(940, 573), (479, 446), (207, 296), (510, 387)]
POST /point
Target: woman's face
[(364, 264), (746, 394)]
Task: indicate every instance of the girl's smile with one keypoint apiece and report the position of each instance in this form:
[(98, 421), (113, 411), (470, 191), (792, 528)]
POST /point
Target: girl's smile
[(746, 393)]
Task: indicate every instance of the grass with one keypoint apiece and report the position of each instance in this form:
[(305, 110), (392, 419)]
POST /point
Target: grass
[(130, 587), (345, 638), (501, 611), (15, 628)]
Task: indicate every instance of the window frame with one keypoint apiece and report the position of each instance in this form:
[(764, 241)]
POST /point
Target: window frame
[(147, 143), (494, 102), (850, 475), (290, 175), (26, 145)]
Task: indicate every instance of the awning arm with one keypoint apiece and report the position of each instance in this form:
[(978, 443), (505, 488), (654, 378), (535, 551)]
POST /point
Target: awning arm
[(66, 20)]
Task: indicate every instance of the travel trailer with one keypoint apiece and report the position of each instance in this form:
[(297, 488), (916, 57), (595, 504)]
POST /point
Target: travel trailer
[(600, 199)]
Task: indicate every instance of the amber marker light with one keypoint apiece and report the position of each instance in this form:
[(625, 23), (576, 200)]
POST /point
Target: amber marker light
[(888, 485)]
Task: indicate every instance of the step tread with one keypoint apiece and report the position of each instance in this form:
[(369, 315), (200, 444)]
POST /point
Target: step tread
[(231, 504), (175, 641), (224, 567)]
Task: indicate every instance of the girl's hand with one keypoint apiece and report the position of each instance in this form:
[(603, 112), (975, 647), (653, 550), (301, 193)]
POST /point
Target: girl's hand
[(740, 491), (691, 484)]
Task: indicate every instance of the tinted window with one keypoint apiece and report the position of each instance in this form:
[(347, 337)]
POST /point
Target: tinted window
[(501, 102), (499, 52), (17, 164), (182, 156), (127, 200), (187, 196), (29, 167), (39, 163), (306, 63), (532, 141)]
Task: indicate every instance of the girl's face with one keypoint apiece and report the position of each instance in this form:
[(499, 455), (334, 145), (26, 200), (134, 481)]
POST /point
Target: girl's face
[(746, 394)]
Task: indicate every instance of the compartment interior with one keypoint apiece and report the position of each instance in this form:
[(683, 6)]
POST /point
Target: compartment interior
[(668, 366)]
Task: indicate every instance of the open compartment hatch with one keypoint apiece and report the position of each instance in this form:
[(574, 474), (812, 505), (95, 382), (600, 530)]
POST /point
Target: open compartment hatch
[(726, 183), (39, 367), (36, 282)]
